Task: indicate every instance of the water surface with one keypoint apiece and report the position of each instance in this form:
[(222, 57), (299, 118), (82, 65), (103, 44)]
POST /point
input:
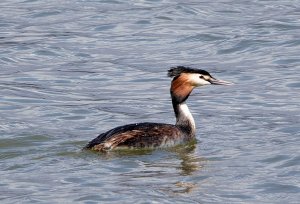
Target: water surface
[(73, 69)]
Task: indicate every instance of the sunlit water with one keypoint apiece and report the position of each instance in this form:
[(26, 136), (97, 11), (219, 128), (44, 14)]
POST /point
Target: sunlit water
[(73, 69)]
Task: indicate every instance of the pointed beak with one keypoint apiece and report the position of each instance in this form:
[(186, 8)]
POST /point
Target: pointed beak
[(219, 82)]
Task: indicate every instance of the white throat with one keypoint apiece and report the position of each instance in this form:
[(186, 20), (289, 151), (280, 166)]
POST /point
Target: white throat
[(185, 117)]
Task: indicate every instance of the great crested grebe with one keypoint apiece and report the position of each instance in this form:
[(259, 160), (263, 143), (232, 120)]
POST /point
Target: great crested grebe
[(152, 135)]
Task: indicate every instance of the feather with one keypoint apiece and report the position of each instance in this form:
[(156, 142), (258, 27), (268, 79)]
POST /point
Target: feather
[(176, 71), (138, 136)]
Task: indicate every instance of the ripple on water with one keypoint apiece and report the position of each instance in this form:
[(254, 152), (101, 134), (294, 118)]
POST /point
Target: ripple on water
[(73, 69)]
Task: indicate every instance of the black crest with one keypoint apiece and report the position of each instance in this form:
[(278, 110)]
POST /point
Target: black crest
[(176, 71)]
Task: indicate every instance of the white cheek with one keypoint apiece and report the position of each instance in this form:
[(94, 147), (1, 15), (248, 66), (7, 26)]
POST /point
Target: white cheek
[(203, 82), (197, 81)]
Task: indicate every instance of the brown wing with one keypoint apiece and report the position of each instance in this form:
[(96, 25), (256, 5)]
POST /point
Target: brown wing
[(116, 139), (162, 135), (137, 135)]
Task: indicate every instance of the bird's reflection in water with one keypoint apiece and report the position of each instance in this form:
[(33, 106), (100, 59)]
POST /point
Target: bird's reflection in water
[(190, 164), (169, 170), (189, 161)]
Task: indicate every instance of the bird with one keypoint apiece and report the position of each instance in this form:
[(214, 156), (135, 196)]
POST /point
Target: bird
[(160, 135)]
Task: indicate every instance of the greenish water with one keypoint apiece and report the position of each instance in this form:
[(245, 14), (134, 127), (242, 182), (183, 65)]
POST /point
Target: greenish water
[(73, 69)]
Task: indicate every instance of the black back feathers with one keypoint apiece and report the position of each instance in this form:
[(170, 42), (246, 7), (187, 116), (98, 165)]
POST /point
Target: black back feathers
[(176, 71)]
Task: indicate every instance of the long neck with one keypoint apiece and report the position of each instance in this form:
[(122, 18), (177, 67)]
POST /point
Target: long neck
[(184, 118), (180, 91)]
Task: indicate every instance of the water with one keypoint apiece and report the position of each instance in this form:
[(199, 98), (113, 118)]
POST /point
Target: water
[(72, 69)]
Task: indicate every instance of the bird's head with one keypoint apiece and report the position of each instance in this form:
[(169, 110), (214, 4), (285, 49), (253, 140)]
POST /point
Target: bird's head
[(185, 79), (194, 77)]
